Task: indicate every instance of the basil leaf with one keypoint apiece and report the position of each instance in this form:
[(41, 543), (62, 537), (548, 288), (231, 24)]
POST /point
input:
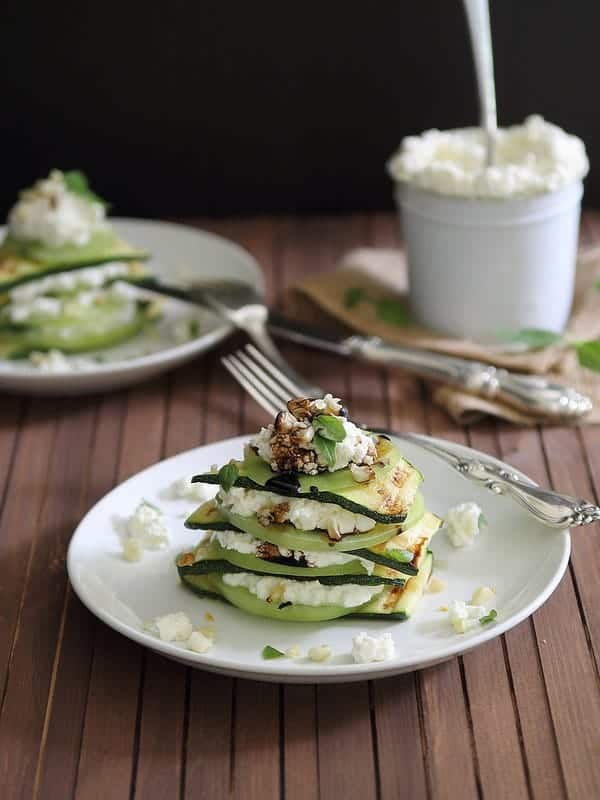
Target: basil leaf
[(77, 182), (393, 312), (482, 521), (330, 427), (326, 448), (588, 354), (534, 338), (228, 474), (353, 296), (269, 652), (488, 617)]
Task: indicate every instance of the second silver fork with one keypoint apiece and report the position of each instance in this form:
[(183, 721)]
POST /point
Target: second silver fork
[(271, 389)]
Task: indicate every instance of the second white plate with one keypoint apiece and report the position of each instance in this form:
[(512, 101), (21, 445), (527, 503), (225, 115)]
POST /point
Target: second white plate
[(175, 249)]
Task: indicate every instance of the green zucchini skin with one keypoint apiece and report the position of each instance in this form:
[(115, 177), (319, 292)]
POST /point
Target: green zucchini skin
[(17, 344), (378, 608), (338, 488), (210, 517), (210, 566), (21, 262), (251, 563), (259, 471), (295, 539), (320, 497), (390, 563)]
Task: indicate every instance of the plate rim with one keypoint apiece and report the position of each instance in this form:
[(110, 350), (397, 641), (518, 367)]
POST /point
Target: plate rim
[(171, 353), (314, 673)]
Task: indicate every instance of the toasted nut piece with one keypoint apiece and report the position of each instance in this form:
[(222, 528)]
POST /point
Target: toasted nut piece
[(284, 422), (300, 407)]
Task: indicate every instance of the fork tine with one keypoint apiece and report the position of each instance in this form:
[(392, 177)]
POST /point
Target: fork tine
[(264, 378), (292, 388), (250, 383)]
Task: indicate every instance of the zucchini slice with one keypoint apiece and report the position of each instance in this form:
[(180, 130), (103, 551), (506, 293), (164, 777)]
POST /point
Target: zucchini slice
[(387, 501), (393, 603), (26, 261), (399, 604), (210, 517), (101, 327), (212, 566), (240, 597), (388, 457), (214, 558)]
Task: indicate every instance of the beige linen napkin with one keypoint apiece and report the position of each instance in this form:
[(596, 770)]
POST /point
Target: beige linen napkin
[(382, 274)]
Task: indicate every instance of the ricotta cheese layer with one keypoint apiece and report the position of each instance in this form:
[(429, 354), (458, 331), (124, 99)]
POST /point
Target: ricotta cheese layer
[(306, 593), (248, 545), (306, 515), (52, 215), (532, 158)]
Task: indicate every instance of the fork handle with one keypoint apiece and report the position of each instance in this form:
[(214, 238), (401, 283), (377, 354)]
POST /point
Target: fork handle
[(552, 508)]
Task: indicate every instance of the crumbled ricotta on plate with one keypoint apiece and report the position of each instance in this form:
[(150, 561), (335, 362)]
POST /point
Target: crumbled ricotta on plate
[(306, 515), (463, 523), (52, 362), (320, 653), (367, 649), (147, 526), (199, 643), (306, 593), (175, 627), (483, 596), (184, 489), (435, 585), (464, 616)]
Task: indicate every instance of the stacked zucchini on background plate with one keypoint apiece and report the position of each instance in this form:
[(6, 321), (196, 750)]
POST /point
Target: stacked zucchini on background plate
[(62, 268), (365, 548)]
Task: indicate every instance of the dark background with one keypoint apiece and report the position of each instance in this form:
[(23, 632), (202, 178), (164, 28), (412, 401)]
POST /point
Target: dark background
[(244, 107)]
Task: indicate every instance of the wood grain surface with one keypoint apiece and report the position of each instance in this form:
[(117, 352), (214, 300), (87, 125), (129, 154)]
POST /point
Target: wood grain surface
[(88, 714)]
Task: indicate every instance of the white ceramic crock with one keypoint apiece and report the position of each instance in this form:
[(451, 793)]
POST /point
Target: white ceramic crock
[(478, 267)]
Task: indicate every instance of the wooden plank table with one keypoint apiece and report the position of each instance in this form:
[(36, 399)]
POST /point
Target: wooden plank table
[(86, 713)]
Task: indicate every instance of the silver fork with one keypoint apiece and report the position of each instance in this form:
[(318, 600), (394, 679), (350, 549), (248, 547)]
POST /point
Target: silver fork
[(271, 389)]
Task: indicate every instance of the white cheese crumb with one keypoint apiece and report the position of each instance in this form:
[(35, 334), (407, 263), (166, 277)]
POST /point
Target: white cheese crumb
[(175, 627), (435, 585), (294, 651), (320, 653), (199, 643), (184, 489), (483, 596), (132, 550), (52, 361), (51, 214), (148, 526), (367, 649), (464, 617), (463, 523)]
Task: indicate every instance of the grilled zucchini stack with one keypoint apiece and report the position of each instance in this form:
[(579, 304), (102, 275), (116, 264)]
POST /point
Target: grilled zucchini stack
[(321, 519), (61, 271)]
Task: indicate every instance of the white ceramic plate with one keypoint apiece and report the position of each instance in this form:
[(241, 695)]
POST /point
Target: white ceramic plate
[(520, 558), (175, 249)]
